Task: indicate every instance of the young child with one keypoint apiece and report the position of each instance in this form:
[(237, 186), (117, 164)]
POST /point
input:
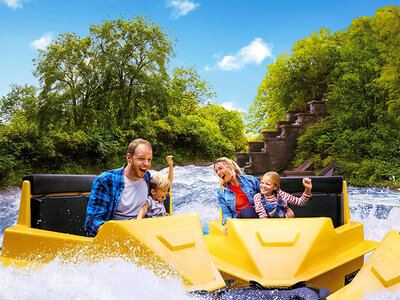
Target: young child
[(159, 185), (272, 202)]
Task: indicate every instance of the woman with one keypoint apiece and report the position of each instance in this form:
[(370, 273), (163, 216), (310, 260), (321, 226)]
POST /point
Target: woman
[(235, 196)]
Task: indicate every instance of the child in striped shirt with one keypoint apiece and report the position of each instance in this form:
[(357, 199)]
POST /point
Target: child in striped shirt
[(272, 202)]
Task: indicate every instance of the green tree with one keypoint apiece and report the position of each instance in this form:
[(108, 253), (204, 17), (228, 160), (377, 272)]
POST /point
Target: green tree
[(21, 99), (363, 129), (188, 92), (294, 80), (108, 78), (230, 124), (357, 69), (98, 93)]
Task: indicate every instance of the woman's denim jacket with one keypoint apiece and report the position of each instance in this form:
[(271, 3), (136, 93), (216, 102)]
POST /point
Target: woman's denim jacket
[(226, 198)]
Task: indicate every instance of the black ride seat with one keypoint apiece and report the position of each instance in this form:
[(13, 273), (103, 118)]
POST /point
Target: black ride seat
[(326, 199), (62, 212)]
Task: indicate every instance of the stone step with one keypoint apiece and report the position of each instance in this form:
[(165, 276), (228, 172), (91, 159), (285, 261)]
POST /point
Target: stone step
[(270, 134)]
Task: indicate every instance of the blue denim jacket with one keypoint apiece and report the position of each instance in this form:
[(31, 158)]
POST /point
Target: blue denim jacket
[(226, 198)]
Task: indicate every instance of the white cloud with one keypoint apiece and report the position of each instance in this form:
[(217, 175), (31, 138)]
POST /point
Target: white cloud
[(14, 4), (254, 53), (181, 7), (43, 42), (231, 106)]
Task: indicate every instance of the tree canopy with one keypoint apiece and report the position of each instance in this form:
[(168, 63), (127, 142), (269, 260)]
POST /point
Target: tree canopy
[(97, 93), (357, 70)]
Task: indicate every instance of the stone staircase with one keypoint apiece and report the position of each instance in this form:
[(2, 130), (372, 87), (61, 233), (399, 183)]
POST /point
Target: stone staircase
[(276, 150)]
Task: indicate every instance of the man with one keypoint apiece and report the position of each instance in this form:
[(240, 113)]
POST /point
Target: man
[(119, 194)]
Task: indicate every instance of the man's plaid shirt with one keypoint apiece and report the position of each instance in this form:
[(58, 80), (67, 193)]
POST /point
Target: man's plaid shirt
[(104, 198)]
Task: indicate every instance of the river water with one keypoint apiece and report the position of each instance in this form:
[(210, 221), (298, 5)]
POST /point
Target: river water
[(193, 190)]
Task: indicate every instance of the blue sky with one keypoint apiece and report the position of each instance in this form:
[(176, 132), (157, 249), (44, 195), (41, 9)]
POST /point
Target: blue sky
[(230, 43)]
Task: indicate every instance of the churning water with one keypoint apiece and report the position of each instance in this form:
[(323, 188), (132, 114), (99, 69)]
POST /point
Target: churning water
[(193, 190)]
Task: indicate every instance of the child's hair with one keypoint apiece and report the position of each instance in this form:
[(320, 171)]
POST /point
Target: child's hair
[(274, 176), (231, 165), (158, 181)]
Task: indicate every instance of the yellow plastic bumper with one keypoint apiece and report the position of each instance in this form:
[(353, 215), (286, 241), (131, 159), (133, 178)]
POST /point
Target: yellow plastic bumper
[(171, 245), (282, 252), (380, 272)]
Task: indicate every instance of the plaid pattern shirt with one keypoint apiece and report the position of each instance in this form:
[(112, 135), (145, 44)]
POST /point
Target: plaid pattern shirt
[(104, 198)]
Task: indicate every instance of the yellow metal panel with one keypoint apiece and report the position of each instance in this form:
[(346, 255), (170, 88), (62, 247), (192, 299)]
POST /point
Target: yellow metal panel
[(335, 279), (185, 251), (170, 245), (177, 239), (279, 238), (39, 245), (387, 269), (24, 215), (380, 272), (346, 207), (282, 252)]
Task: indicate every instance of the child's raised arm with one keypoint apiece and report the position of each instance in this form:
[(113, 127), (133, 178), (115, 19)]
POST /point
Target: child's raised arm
[(170, 168), (307, 185)]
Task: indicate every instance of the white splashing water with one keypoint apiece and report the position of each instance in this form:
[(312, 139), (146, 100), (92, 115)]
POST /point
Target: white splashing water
[(193, 190), (104, 280)]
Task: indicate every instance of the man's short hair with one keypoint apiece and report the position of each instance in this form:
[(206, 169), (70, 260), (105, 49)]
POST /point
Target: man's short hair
[(135, 143), (158, 181)]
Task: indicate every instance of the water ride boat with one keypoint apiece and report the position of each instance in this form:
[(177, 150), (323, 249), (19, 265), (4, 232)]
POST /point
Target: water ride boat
[(51, 225), (317, 253)]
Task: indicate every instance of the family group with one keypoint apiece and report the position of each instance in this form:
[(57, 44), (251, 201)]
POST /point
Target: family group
[(131, 192)]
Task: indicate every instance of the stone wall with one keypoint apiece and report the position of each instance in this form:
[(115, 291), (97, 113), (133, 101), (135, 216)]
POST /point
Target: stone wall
[(277, 148)]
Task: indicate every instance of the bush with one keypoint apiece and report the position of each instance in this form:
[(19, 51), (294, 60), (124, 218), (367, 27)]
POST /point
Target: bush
[(7, 164), (191, 138)]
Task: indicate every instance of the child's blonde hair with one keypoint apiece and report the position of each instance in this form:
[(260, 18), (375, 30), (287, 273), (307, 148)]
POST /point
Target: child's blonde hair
[(158, 181), (234, 168), (276, 179)]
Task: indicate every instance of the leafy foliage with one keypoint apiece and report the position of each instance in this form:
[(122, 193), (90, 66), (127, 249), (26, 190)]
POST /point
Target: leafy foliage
[(357, 70), (294, 80), (98, 93)]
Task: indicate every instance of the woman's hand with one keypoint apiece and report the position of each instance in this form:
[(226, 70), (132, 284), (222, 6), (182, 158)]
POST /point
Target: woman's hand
[(225, 230)]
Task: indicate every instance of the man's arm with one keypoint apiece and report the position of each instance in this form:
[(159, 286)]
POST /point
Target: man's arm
[(98, 206)]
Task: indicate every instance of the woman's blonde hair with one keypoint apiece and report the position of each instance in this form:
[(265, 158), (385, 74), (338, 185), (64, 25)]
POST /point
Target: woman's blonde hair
[(232, 166), (276, 179)]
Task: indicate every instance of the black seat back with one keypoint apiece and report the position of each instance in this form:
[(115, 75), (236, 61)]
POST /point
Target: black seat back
[(326, 199), (62, 212)]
